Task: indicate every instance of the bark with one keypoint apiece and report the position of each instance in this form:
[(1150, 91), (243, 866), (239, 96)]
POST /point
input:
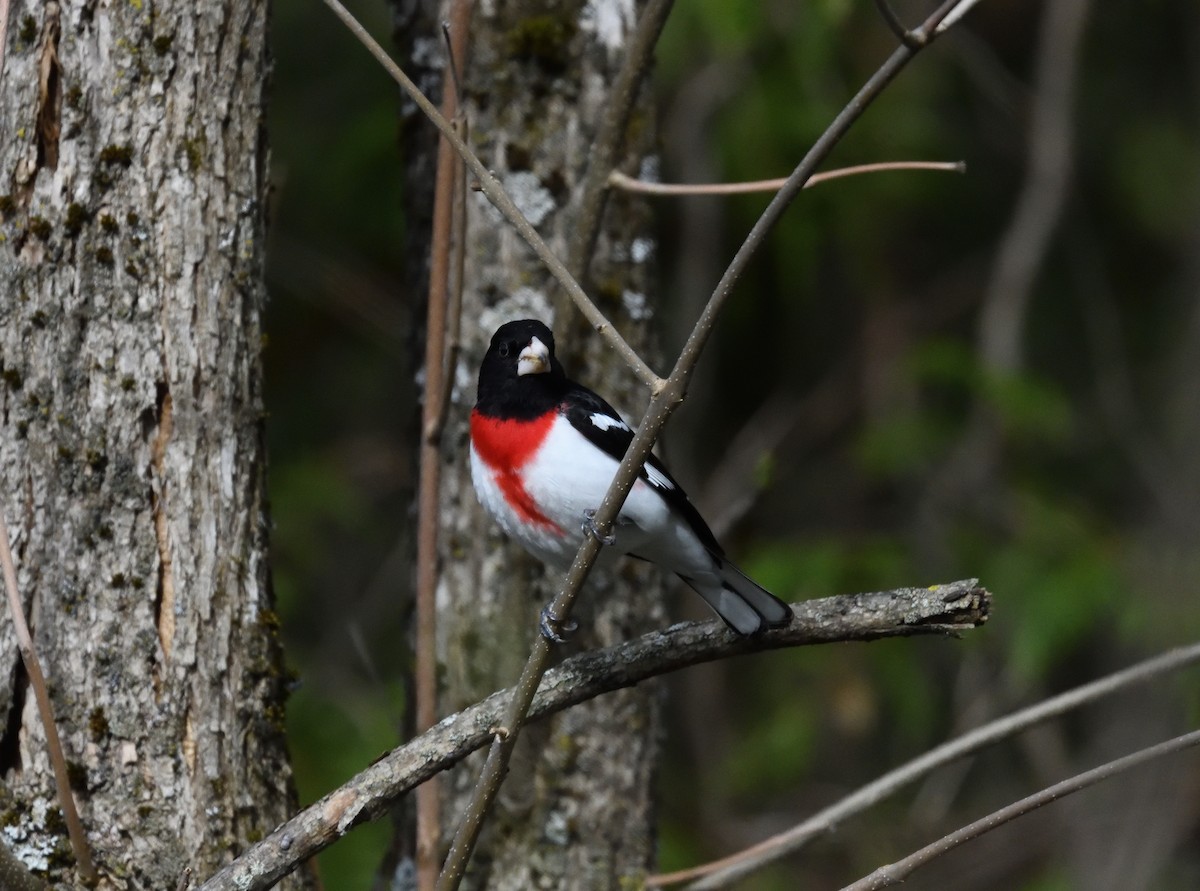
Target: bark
[(133, 167), (576, 810)]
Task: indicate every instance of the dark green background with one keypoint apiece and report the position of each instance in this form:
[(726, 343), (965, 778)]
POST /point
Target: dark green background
[(869, 294)]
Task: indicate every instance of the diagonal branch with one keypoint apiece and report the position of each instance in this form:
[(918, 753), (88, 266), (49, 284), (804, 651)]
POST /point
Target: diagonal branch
[(896, 873), (490, 186), (722, 873), (619, 180), (937, 610)]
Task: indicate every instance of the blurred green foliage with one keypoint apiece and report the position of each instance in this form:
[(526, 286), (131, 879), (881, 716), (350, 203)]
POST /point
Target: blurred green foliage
[(1069, 487)]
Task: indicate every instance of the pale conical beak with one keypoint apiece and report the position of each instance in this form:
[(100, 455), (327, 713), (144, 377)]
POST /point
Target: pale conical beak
[(534, 359)]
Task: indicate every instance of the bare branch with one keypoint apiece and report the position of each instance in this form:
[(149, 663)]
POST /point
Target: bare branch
[(724, 872), (490, 186), (79, 845), (937, 610), (896, 873), (619, 180)]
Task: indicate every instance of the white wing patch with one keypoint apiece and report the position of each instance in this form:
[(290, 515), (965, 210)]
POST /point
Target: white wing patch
[(657, 479), (602, 421)]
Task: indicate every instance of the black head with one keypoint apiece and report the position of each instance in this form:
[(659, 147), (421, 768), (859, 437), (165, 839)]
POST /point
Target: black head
[(520, 376)]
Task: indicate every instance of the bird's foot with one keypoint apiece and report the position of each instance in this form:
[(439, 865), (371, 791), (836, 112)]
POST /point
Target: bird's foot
[(555, 629), (589, 528)]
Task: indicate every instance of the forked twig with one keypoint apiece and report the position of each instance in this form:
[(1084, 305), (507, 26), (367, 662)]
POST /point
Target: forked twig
[(37, 680), (495, 192)]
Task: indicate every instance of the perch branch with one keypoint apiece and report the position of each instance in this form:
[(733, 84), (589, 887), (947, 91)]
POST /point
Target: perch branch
[(724, 872), (619, 180), (37, 680), (490, 186), (941, 610), (896, 873)]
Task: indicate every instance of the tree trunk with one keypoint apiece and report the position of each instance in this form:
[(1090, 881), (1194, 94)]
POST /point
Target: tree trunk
[(131, 450), (576, 810)]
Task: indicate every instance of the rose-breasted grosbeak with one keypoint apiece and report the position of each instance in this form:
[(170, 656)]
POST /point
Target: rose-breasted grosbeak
[(544, 450)]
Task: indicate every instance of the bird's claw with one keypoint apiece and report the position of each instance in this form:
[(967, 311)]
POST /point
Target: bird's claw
[(555, 629), (589, 528)]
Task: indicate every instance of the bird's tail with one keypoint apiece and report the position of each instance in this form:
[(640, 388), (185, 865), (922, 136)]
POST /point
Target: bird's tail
[(745, 606)]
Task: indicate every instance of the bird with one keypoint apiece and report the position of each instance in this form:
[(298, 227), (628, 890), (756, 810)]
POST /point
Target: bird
[(544, 450)]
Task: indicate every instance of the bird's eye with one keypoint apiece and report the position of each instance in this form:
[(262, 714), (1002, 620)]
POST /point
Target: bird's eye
[(503, 350)]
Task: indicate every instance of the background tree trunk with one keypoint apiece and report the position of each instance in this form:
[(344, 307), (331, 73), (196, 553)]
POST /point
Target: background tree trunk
[(131, 454), (576, 810)]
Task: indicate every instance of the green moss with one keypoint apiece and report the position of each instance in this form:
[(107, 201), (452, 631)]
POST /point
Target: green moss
[(39, 319), (28, 32), (128, 383), (73, 96), (137, 583), (76, 217), (108, 224), (132, 218), (162, 43), (105, 531), (104, 256), (65, 453), (54, 820), (98, 461), (77, 776), (98, 725), (194, 149), (22, 429), (7, 205), (116, 154), (40, 227), (544, 39), (13, 378), (118, 580)]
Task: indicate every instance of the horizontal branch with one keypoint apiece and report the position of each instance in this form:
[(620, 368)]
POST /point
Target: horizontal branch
[(623, 181), (945, 609)]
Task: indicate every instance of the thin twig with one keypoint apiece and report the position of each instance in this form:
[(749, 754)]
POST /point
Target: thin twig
[(620, 180), (490, 186), (602, 155), (79, 845), (665, 399), (724, 872), (938, 610), (893, 21), (896, 873), (438, 382)]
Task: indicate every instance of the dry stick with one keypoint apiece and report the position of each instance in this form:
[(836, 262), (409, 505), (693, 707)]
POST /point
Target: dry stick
[(603, 153), (619, 180), (79, 845), (495, 193), (939, 610), (438, 380), (896, 873), (664, 401), (724, 872)]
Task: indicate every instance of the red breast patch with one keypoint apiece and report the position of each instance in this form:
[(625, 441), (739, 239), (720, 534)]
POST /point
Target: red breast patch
[(505, 446)]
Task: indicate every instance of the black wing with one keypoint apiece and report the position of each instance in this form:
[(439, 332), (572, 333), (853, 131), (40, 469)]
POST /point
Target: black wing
[(602, 426)]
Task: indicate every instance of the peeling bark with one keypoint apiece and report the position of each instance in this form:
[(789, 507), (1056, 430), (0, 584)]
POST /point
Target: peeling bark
[(132, 179)]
